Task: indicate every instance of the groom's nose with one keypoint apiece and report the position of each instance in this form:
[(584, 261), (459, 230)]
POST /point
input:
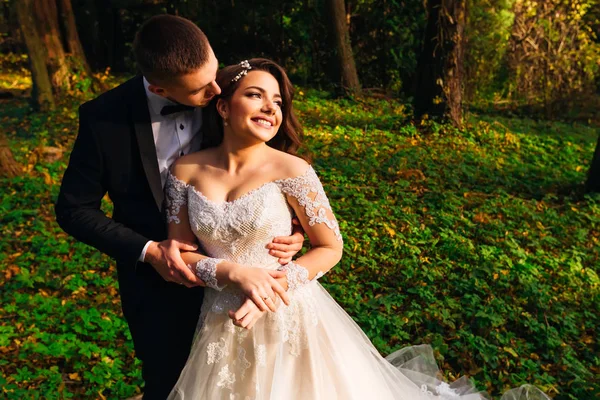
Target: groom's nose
[(214, 89)]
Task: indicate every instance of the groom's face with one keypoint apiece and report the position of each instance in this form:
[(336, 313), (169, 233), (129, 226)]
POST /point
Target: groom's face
[(194, 89)]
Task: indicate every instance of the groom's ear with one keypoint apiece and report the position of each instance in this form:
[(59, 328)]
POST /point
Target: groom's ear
[(157, 90)]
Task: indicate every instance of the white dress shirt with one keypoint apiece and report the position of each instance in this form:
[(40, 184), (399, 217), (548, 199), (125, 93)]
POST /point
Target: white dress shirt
[(174, 135)]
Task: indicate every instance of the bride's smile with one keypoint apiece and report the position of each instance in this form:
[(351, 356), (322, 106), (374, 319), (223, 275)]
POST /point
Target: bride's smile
[(265, 123)]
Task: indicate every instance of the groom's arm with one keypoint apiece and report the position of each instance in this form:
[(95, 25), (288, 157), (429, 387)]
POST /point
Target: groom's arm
[(78, 206)]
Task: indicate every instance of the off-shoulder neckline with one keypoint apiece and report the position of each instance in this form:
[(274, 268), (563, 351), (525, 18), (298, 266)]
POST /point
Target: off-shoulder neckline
[(243, 196)]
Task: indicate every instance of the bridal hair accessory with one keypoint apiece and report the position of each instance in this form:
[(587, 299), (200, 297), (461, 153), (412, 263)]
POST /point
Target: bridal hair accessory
[(246, 66)]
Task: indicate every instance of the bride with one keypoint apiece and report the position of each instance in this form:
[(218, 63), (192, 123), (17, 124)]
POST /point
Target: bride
[(267, 332)]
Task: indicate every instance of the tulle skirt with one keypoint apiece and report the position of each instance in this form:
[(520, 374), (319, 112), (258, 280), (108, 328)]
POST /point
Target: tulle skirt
[(310, 350)]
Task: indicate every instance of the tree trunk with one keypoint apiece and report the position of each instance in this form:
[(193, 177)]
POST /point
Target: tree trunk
[(41, 94), (45, 14), (345, 55), (593, 180), (73, 44), (440, 65), (52, 39), (9, 168)]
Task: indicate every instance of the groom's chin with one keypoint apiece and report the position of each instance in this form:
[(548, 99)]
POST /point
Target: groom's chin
[(199, 104), (205, 102)]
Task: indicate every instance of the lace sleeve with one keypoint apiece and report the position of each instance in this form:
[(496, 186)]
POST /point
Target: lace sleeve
[(310, 197), (308, 191), (175, 197), (206, 269)]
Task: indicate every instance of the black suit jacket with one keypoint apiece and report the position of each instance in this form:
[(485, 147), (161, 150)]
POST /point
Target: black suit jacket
[(114, 153)]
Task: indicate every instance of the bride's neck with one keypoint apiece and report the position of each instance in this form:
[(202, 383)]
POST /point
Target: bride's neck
[(235, 157)]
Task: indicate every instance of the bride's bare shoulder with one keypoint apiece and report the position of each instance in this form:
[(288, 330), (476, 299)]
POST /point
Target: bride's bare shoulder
[(188, 167), (290, 166)]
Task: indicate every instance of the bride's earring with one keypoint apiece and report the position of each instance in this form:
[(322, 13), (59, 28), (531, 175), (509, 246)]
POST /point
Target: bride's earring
[(225, 123)]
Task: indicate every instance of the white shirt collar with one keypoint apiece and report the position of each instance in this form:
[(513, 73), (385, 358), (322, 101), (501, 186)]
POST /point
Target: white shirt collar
[(155, 101)]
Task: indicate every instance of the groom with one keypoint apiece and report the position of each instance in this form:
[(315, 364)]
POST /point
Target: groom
[(128, 138)]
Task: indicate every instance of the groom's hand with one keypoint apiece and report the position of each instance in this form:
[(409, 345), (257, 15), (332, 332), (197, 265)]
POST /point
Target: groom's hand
[(166, 259), (286, 247)]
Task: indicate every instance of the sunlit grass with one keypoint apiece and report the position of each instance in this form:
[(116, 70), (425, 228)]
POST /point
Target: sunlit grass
[(479, 242), (14, 81)]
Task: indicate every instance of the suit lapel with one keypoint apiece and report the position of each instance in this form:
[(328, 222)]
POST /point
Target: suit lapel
[(145, 139)]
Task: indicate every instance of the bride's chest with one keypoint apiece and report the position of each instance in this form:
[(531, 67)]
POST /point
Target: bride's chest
[(263, 212)]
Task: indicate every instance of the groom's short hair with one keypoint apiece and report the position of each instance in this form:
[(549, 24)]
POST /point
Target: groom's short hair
[(167, 46)]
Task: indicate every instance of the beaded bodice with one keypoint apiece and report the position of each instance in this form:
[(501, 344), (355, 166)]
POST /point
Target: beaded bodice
[(240, 230)]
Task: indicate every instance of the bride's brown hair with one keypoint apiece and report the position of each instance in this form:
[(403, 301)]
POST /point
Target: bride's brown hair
[(288, 136)]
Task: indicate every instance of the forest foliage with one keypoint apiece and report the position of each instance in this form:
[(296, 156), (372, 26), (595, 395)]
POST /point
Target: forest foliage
[(473, 241), (538, 56), (478, 241)]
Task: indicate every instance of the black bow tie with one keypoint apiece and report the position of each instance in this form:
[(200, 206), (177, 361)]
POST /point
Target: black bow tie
[(167, 110)]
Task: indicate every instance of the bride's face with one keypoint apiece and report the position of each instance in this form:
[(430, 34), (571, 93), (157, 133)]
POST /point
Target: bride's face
[(254, 110)]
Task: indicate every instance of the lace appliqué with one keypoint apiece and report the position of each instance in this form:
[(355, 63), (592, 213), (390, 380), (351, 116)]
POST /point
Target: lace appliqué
[(226, 378), (318, 210), (242, 362), (296, 275), (443, 391), (176, 196), (294, 321), (261, 355), (206, 269), (240, 333), (216, 351)]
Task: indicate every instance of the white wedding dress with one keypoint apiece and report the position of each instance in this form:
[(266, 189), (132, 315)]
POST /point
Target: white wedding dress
[(309, 350)]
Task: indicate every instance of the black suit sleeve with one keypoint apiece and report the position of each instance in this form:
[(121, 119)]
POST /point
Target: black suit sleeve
[(78, 207)]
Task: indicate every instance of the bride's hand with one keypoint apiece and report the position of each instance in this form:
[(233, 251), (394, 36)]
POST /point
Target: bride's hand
[(283, 282), (247, 315), (260, 285)]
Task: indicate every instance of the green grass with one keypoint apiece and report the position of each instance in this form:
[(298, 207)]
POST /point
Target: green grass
[(14, 75), (479, 242)]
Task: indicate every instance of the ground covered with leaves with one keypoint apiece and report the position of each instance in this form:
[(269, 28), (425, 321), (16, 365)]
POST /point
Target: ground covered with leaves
[(478, 242)]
